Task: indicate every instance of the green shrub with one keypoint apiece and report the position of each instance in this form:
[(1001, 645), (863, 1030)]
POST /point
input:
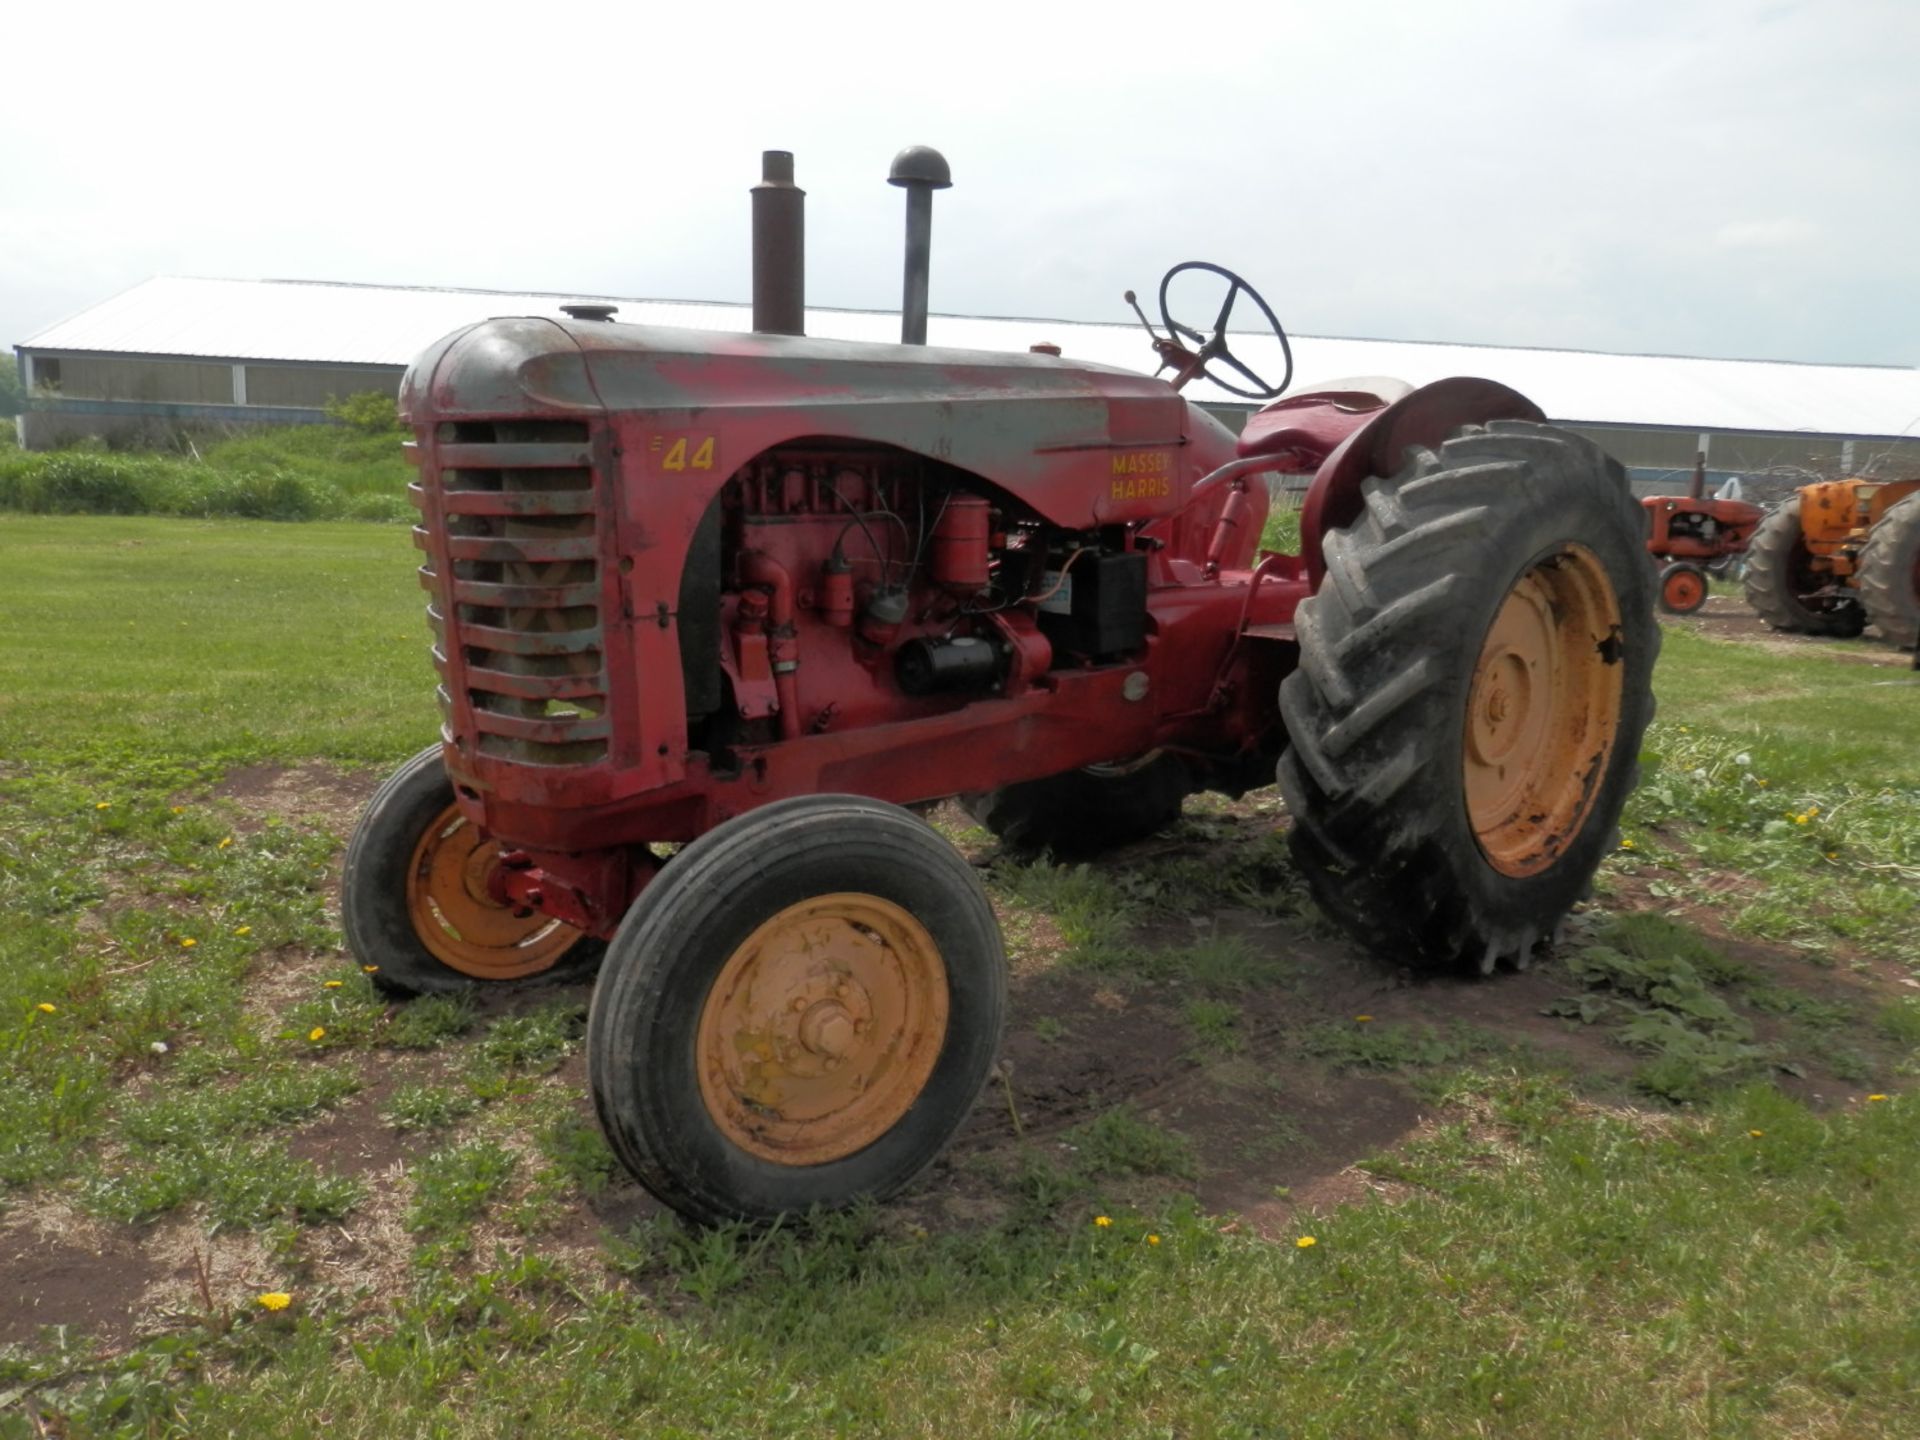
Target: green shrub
[(349, 471), (370, 412)]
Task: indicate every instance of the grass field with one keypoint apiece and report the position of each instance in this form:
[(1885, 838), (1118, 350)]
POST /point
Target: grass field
[(1238, 1180)]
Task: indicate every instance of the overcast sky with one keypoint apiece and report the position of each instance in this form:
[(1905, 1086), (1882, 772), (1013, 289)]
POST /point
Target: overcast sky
[(1699, 177)]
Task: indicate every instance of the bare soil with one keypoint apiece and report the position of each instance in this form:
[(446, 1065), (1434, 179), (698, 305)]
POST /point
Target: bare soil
[(1728, 617)]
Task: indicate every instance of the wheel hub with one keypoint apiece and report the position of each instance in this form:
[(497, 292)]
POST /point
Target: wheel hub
[(1542, 711), (822, 1029), (458, 919)]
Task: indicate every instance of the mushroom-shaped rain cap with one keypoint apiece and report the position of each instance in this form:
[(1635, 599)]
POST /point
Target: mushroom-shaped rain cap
[(920, 165)]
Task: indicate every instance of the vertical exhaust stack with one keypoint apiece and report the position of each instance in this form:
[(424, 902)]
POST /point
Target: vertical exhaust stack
[(779, 248), (1698, 486), (919, 170)]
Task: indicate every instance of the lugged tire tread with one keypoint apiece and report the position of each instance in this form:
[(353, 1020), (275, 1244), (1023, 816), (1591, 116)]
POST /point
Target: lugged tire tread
[(1358, 776), (1885, 579)]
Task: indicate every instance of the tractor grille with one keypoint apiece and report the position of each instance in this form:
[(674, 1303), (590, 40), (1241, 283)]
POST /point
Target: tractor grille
[(517, 621)]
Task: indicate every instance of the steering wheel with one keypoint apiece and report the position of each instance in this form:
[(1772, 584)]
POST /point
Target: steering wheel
[(1214, 347)]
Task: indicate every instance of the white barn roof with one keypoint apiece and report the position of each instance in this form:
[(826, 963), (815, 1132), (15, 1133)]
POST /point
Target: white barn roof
[(314, 322)]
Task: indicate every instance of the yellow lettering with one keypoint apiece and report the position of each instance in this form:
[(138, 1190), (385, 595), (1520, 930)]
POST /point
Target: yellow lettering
[(703, 457), (676, 457)]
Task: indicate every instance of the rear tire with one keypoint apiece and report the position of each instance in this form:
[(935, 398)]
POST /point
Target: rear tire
[(1780, 575), (1888, 577), (1474, 680), (409, 838), (1683, 588), (1082, 812), (799, 1011)]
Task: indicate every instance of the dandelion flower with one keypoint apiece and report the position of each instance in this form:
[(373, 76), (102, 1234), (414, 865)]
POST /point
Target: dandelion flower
[(1305, 1242), (1756, 1134), (244, 930), (1153, 1239), (319, 1032), (1362, 1019), (1743, 758), (104, 805), (224, 843), (274, 1300), (188, 943), (1626, 844), (1761, 783), (1800, 819), (1875, 1099), (179, 809), (1833, 854), (46, 1007), (369, 969), (334, 984), (1105, 1222)]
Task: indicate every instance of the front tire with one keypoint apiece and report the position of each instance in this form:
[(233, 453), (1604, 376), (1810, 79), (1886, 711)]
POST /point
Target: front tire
[(1888, 577), (1683, 588), (1475, 676), (413, 901), (799, 1011)]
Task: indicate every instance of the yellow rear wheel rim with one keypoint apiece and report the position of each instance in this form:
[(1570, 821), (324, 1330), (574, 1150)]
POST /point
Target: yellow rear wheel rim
[(1543, 711)]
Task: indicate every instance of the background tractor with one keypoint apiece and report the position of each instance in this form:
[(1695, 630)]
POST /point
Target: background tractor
[(709, 610), (1693, 535), (1840, 555)]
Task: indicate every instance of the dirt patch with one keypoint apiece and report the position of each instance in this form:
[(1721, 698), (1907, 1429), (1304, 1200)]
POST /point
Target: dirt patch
[(1726, 617), (308, 794), (352, 1139), (65, 1270)]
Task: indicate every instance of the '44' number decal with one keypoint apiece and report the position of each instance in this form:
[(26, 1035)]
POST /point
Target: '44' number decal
[(683, 451)]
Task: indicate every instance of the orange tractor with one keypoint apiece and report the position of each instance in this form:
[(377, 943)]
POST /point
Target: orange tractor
[(1838, 556), (1690, 535)]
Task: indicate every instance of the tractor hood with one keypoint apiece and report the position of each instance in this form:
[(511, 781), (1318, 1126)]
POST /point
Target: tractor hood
[(1006, 416), (498, 366)]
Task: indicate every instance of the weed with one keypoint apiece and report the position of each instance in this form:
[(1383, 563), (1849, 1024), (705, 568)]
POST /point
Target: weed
[(428, 1107), (278, 1095), (579, 1152), (1094, 916), (1657, 977), (452, 1187), (1899, 1021), (534, 1043), (1122, 1142), (1216, 1027), (1376, 1046), (244, 1186), (429, 1022)]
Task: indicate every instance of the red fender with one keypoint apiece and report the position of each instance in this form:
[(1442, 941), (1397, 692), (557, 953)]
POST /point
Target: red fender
[(1378, 444)]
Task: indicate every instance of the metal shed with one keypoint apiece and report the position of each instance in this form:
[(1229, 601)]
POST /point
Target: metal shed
[(175, 351)]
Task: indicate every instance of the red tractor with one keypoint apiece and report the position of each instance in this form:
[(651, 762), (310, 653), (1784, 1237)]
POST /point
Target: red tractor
[(1690, 535), (710, 610)]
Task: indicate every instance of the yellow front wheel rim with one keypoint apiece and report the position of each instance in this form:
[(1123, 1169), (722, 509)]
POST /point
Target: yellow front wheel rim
[(459, 921), (822, 1029)]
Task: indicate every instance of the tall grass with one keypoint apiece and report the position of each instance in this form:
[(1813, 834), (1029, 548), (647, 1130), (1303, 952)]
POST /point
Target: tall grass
[(300, 472)]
